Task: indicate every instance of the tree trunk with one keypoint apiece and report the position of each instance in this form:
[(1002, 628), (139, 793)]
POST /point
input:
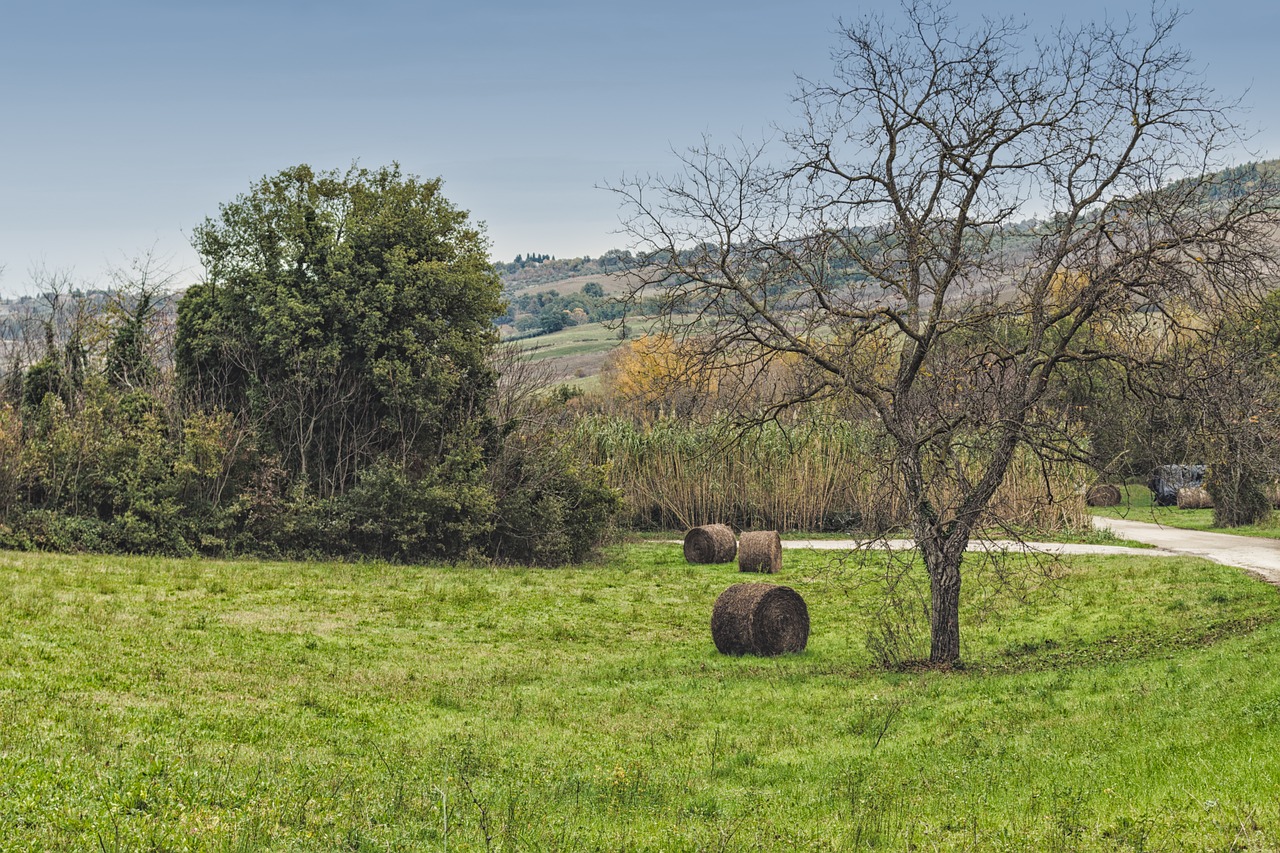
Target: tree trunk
[(944, 615), (943, 550)]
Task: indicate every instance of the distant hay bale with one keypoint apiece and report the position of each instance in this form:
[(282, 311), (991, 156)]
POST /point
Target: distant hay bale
[(1194, 497), (759, 619), (760, 551), (711, 543), (1103, 494)]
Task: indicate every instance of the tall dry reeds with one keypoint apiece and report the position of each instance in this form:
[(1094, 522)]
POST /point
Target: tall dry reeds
[(819, 475)]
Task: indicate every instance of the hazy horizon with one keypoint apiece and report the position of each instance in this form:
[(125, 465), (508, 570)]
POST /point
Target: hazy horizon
[(129, 124)]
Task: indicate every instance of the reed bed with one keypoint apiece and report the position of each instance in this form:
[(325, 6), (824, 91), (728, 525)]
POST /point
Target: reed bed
[(824, 475)]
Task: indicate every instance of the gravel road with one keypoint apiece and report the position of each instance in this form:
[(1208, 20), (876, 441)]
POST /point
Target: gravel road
[(1260, 557), (993, 545)]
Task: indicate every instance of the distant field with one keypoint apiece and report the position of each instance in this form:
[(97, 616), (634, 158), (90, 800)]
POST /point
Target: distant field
[(575, 354), (1136, 505), (150, 704), (576, 340)]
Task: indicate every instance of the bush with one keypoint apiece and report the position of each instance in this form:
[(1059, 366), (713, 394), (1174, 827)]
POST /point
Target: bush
[(551, 508), (399, 514), (1238, 498)]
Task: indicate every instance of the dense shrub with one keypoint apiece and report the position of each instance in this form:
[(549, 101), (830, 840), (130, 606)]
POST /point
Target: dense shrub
[(1238, 497), (552, 507), (400, 514)]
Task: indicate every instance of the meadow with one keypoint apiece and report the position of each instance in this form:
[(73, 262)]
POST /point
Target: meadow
[(572, 356), (1107, 703)]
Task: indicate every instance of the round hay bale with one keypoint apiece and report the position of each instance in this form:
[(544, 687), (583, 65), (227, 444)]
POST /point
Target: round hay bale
[(760, 551), (759, 619), (1103, 494), (1194, 497), (711, 543)]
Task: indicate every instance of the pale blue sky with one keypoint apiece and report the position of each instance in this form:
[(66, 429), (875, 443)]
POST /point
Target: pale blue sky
[(122, 125)]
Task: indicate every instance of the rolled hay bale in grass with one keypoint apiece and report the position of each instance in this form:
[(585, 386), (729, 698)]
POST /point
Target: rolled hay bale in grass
[(760, 551), (1194, 497), (759, 619), (1102, 494), (710, 543)]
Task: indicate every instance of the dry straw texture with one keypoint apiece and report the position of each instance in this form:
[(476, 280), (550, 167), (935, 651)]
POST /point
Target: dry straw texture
[(760, 551), (1194, 497), (710, 543), (760, 619), (1103, 494)]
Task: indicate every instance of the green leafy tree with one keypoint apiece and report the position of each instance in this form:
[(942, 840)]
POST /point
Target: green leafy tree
[(349, 317)]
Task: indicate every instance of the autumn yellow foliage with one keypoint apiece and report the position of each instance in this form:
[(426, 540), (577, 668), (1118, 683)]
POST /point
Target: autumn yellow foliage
[(1065, 286), (655, 369)]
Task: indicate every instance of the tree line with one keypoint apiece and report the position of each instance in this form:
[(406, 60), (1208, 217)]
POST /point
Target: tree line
[(330, 388)]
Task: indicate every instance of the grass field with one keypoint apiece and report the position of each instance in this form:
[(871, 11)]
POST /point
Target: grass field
[(195, 705), (1136, 505), (575, 340), (572, 356)]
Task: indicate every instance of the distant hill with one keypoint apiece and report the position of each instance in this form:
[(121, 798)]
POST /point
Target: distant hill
[(565, 311), (542, 271)]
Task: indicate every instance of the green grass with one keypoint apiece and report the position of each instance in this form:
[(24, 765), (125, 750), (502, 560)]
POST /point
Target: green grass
[(1092, 536), (575, 340), (193, 705), (1136, 505)]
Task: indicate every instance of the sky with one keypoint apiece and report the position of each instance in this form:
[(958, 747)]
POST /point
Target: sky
[(123, 125)]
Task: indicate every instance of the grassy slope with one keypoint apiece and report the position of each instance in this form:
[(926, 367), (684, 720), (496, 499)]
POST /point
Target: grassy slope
[(612, 283), (573, 356), (1136, 506), (576, 355), (188, 705), (586, 339)]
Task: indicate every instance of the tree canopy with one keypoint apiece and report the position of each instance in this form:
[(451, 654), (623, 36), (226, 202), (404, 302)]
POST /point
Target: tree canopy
[(349, 315)]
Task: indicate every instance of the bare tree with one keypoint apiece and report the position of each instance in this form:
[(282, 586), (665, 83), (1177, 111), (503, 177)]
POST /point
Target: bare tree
[(140, 315), (959, 214)]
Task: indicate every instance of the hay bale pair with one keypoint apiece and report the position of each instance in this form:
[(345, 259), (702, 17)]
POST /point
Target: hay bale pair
[(758, 551), (760, 619)]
